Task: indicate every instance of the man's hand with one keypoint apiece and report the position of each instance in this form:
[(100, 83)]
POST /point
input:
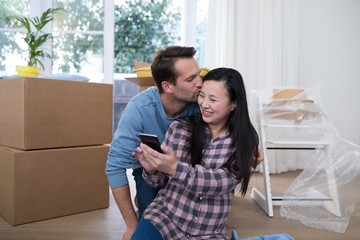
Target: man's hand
[(122, 197), (128, 234)]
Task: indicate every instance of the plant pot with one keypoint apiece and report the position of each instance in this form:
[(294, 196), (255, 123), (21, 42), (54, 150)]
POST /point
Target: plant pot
[(28, 71)]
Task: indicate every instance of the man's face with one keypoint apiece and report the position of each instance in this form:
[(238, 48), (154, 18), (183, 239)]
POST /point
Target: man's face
[(188, 83)]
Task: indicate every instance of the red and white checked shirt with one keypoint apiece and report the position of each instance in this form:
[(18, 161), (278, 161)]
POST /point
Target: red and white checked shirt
[(195, 202)]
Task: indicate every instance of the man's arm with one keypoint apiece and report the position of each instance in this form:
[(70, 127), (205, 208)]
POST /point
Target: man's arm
[(119, 159), (123, 199)]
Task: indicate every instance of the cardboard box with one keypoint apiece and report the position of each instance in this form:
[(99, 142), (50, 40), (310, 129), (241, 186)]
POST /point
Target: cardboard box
[(39, 113), (142, 82), (41, 184), (143, 77)]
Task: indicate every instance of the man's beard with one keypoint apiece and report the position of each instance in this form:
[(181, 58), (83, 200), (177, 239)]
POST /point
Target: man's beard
[(185, 98)]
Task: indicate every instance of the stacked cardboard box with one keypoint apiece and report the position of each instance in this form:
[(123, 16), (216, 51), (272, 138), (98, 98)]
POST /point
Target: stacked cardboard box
[(54, 137)]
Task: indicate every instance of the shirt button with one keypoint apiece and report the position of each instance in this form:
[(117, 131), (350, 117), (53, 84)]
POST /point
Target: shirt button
[(188, 236), (200, 198)]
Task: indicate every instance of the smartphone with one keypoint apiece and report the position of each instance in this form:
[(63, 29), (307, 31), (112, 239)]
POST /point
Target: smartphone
[(151, 140)]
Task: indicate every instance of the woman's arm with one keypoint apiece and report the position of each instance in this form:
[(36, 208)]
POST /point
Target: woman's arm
[(203, 181)]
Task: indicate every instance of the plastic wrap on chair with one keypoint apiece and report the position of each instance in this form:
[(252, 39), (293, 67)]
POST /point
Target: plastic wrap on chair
[(293, 114), (291, 106), (332, 174)]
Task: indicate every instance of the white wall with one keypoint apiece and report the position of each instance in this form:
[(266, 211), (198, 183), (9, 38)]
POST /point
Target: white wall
[(330, 52)]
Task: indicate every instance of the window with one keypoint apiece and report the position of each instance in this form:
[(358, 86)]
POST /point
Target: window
[(10, 38), (78, 37), (78, 43), (82, 36)]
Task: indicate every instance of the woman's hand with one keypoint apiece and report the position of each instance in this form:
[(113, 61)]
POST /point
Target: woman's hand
[(145, 164), (153, 161)]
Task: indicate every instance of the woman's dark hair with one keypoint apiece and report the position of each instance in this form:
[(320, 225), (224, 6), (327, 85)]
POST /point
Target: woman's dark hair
[(163, 65), (245, 140)]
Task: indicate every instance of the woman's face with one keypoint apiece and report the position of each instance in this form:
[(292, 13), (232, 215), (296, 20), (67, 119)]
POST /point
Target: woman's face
[(214, 102)]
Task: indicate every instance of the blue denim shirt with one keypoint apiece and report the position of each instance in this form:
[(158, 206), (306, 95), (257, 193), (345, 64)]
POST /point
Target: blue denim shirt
[(143, 114)]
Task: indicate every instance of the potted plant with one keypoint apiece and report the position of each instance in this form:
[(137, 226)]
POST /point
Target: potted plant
[(35, 38)]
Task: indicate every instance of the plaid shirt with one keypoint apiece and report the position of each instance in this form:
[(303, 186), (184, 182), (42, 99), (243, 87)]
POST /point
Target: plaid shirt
[(195, 202)]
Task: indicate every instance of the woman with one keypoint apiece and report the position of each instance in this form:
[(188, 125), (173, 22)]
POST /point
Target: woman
[(204, 159)]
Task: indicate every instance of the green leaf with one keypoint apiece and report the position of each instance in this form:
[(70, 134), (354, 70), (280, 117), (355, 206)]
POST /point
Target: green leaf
[(37, 38)]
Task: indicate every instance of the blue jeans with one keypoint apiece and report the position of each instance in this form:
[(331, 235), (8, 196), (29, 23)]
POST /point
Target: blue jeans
[(281, 236), (145, 194), (146, 231)]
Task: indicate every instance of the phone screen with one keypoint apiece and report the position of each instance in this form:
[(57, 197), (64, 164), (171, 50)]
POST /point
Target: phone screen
[(151, 140)]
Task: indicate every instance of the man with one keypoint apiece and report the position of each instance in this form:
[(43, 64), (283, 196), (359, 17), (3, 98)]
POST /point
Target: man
[(176, 75)]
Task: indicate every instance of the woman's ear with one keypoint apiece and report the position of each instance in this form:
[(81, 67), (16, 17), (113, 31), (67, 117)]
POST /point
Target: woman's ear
[(233, 106)]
